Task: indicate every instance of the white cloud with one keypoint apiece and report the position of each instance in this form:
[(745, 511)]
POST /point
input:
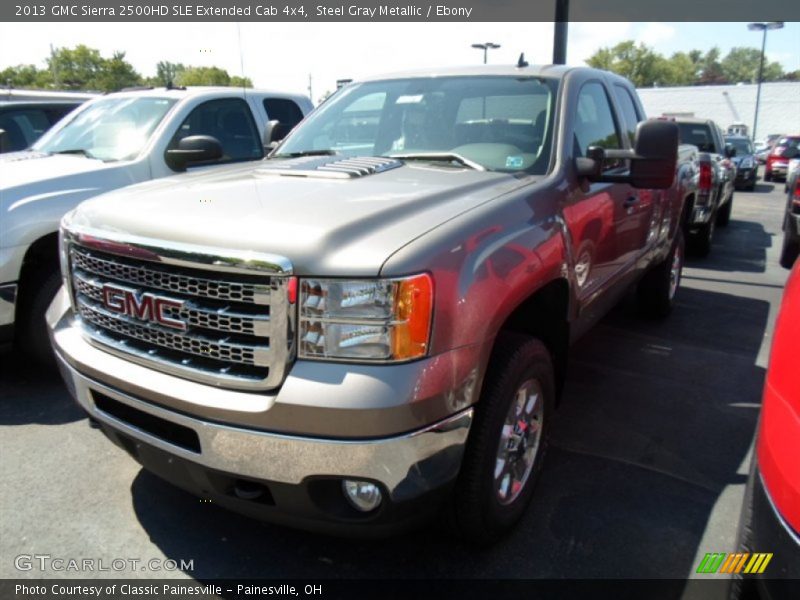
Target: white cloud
[(586, 38), (653, 34)]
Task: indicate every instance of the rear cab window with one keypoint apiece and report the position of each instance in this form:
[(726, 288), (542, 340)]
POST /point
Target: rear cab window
[(283, 110), (697, 134)]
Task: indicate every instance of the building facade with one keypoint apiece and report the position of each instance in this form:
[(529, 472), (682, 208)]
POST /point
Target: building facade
[(779, 110)]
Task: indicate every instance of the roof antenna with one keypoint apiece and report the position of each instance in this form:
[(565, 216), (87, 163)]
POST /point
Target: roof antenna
[(522, 62)]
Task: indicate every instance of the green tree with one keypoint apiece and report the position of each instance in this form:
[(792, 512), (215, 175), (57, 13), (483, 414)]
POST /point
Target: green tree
[(711, 68), (25, 76), (204, 76), (741, 64), (167, 73), (680, 69), (83, 68), (75, 68), (116, 73), (242, 82), (639, 63)]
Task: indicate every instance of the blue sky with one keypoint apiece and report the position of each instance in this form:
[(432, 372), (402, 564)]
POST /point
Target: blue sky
[(283, 55)]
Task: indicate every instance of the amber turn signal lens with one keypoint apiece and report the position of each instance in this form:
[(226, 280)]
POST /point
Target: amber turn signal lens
[(413, 310)]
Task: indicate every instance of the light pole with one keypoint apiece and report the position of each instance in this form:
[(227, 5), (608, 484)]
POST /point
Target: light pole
[(560, 32), (764, 27), (486, 47)]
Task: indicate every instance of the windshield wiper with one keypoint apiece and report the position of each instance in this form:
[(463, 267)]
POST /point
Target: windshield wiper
[(82, 151), (305, 153), (440, 156)]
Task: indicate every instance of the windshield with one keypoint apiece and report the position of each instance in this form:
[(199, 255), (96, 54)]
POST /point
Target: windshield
[(497, 123), (109, 129), (743, 146)]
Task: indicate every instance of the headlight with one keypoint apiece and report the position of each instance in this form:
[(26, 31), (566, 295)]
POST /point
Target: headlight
[(365, 320), (747, 163)]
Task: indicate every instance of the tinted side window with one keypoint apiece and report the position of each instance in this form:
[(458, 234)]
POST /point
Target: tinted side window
[(55, 114), (23, 127), (594, 122), (630, 115), (283, 110), (229, 121)]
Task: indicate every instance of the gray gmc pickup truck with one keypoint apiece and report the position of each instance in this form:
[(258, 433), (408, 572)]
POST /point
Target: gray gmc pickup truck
[(372, 324)]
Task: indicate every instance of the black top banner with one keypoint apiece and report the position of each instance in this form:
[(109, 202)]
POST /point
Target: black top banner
[(398, 10)]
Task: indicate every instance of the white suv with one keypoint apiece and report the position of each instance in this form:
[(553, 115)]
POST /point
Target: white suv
[(110, 142)]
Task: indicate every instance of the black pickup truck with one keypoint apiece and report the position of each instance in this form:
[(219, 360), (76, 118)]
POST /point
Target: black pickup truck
[(715, 179)]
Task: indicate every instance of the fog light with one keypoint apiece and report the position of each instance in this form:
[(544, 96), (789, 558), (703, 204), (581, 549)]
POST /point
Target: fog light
[(363, 495)]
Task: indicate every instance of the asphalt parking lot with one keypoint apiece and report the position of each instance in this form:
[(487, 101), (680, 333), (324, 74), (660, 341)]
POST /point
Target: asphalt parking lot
[(645, 474)]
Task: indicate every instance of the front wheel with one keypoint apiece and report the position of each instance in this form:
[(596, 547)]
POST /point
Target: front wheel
[(657, 289), (31, 330), (507, 441)]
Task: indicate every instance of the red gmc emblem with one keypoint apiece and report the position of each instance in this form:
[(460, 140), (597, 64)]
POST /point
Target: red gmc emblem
[(145, 307)]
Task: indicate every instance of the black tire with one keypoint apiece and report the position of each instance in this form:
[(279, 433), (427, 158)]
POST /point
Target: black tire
[(477, 515), (655, 294), (700, 243), (31, 329), (789, 251), (724, 213), (767, 176), (743, 587)]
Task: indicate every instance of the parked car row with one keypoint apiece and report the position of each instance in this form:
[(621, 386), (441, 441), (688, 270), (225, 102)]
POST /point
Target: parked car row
[(777, 165)]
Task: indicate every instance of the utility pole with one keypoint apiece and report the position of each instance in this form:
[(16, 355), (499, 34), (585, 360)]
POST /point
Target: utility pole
[(763, 27), (310, 92), (53, 67)]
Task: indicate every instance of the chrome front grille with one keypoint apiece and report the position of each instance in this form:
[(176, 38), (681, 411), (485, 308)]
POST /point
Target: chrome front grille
[(173, 282), (235, 324), (220, 319)]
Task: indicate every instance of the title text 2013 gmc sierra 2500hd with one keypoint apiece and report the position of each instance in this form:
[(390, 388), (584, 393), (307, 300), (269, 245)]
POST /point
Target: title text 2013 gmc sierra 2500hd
[(110, 142), (373, 323)]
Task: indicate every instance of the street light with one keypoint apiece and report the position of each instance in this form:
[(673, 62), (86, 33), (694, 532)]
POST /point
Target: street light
[(486, 47), (761, 27)]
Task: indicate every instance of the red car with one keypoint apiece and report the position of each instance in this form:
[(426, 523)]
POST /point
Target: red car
[(770, 520), (778, 159)]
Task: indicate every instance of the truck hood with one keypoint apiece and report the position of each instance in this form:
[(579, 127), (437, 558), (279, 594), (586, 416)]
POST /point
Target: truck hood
[(29, 178), (324, 226)]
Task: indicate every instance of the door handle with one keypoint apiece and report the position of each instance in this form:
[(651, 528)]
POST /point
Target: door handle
[(631, 201)]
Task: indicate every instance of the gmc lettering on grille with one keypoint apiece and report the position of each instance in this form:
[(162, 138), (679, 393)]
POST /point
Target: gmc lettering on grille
[(144, 307)]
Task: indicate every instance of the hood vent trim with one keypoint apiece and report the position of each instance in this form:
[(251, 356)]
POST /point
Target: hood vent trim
[(345, 168)]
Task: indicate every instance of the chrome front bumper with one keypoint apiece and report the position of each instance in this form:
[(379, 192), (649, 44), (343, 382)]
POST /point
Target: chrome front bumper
[(407, 466)]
